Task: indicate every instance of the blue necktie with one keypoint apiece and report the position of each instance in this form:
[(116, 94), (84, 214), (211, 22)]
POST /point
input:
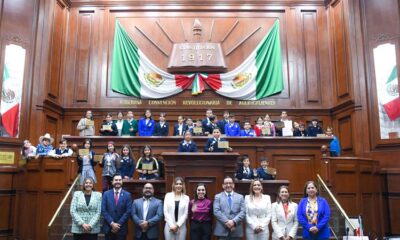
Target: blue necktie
[(230, 200)]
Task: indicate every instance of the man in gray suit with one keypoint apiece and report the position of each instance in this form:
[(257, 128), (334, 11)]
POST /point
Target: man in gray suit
[(229, 211), (147, 212)]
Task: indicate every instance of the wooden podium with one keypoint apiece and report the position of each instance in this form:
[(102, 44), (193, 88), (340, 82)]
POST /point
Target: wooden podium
[(200, 167)]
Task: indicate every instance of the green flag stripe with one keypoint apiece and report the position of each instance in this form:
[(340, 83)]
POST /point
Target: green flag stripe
[(393, 75), (269, 64), (125, 64)]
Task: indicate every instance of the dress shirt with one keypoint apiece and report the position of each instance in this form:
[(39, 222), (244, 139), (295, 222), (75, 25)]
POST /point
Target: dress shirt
[(146, 204)]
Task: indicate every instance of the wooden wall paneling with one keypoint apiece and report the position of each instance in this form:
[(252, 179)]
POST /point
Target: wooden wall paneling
[(340, 52), (52, 127), (83, 56), (349, 202), (345, 134), (59, 21), (312, 82)]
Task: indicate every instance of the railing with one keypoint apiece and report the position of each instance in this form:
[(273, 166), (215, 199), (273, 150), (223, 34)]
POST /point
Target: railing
[(339, 223), (60, 223)]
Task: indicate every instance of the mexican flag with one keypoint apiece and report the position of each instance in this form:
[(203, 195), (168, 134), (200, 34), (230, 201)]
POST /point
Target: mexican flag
[(392, 99), (10, 104), (259, 76), (133, 74)]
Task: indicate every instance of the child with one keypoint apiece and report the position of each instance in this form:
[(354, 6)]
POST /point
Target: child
[(62, 151), (232, 129), (224, 121), (301, 131), (44, 147), (259, 125), (187, 145), (180, 127), (161, 128), (212, 143), (28, 150), (113, 131), (146, 124), (86, 163), (130, 126), (147, 165), (270, 126), (263, 172), (198, 129), (119, 123), (247, 131), (314, 128), (126, 163), (244, 171), (213, 124), (189, 125), (109, 166), (334, 146)]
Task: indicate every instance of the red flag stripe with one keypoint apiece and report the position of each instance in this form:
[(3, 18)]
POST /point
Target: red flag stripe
[(10, 120), (213, 80), (392, 108)]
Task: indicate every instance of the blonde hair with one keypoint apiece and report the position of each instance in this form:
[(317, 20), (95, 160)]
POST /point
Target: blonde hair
[(183, 184), (251, 192)]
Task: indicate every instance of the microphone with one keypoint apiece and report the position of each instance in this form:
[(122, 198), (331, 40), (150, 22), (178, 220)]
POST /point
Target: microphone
[(347, 233)]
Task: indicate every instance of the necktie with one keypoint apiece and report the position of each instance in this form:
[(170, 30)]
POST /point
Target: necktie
[(116, 198), (230, 200)]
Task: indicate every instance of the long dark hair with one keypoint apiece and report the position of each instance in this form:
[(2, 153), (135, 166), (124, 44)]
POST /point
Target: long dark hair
[(196, 197), (87, 141), (142, 152)]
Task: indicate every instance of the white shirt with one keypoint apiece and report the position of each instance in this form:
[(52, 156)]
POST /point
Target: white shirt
[(146, 204)]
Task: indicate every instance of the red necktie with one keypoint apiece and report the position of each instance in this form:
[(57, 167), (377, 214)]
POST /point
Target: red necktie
[(116, 198)]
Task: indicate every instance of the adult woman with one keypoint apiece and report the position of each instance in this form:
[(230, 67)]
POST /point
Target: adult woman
[(200, 214), (313, 213), (176, 204), (85, 125), (284, 216), (85, 211), (258, 212)]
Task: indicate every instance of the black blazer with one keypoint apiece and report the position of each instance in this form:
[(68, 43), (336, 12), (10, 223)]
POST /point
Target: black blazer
[(189, 148), (113, 128), (161, 131), (211, 142), (176, 129)]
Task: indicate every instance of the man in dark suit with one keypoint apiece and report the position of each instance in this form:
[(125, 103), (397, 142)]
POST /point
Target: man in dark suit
[(116, 208), (147, 212), (161, 128), (187, 145)]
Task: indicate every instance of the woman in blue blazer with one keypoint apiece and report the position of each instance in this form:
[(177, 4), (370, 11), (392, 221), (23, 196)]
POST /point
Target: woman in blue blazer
[(313, 213), (146, 124)]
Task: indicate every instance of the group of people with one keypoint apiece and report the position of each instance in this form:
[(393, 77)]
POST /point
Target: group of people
[(147, 126), (45, 148), (229, 208)]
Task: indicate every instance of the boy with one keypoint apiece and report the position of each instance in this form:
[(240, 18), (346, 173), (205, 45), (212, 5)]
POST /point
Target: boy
[(247, 131), (232, 129), (264, 172), (62, 151)]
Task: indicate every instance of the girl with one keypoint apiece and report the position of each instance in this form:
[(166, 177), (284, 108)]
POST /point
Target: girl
[(126, 163), (108, 165), (85, 125), (86, 163), (147, 165), (146, 124)]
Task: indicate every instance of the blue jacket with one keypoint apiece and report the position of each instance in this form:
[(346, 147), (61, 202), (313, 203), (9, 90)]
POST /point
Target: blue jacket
[(263, 175), (324, 214), (161, 131), (116, 213), (189, 148), (211, 142), (334, 146), (154, 216), (176, 129), (127, 166), (146, 129), (250, 133), (233, 130)]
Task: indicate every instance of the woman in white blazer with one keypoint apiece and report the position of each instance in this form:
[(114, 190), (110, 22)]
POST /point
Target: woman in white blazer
[(284, 216), (258, 212), (176, 205)]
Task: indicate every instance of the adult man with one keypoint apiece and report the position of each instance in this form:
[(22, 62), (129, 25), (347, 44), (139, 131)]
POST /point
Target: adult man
[(229, 211), (116, 208), (146, 214)]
